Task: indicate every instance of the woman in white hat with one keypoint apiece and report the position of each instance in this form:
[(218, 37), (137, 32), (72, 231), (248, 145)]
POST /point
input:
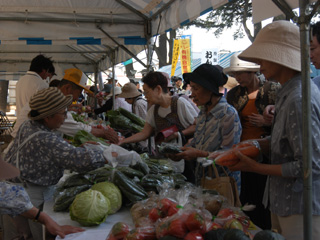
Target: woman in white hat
[(41, 155), (250, 98), (15, 201), (277, 50)]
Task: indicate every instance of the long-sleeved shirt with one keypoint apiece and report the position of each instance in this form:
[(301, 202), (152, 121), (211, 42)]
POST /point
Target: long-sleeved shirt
[(44, 157), (14, 200), (285, 192)]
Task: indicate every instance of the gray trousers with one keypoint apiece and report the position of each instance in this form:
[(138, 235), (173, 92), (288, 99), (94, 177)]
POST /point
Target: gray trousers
[(20, 227)]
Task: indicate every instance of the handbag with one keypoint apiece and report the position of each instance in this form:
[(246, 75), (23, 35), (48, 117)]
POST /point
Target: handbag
[(225, 185)]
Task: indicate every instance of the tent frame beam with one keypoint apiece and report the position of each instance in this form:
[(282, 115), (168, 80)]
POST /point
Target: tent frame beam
[(121, 46)]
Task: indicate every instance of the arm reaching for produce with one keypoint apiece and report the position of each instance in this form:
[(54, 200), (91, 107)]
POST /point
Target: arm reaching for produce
[(190, 153), (141, 136), (52, 226), (248, 164), (108, 134)]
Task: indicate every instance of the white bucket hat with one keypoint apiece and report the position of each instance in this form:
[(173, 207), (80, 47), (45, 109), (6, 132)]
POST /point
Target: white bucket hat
[(117, 91), (278, 42), (238, 65)]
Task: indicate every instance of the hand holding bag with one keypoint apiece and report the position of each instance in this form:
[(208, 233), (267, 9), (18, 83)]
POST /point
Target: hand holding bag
[(226, 186)]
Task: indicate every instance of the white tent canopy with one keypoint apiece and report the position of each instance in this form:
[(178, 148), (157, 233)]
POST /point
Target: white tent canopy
[(86, 33)]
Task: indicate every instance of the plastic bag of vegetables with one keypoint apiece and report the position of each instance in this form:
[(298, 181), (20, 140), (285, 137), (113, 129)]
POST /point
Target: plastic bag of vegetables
[(90, 208)]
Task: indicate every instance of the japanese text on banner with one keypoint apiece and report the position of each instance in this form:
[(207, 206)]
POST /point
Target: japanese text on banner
[(175, 56), (185, 56)]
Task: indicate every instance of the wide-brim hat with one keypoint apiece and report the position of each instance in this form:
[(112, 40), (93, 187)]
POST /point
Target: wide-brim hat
[(278, 42), (117, 91), (207, 76), (77, 77), (8, 171), (129, 90), (48, 102), (238, 65)]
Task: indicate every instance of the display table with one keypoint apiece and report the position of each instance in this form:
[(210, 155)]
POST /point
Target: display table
[(98, 232)]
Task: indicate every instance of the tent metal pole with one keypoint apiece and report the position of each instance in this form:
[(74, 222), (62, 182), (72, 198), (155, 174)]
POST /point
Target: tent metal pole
[(304, 23), (113, 60), (96, 76)]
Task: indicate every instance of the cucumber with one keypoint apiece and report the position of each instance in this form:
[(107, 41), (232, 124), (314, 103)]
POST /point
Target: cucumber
[(128, 187), (133, 117), (130, 172)]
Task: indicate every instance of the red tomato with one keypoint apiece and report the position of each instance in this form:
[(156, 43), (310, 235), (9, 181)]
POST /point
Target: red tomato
[(155, 214), (195, 222), (177, 228), (120, 230)]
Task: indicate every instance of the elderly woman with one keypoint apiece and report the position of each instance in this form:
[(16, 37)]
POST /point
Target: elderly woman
[(218, 125), (250, 98), (15, 201), (42, 155), (165, 110), (277, 50), (134, 97)]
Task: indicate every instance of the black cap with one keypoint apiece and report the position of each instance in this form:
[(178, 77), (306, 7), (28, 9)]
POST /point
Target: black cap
[(208, 76)]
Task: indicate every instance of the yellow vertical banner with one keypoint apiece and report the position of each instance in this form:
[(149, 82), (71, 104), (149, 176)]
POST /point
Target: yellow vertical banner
[(175, 56), (185, 55)]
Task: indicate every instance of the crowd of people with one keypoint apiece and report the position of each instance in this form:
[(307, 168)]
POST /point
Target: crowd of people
[(203, 115)]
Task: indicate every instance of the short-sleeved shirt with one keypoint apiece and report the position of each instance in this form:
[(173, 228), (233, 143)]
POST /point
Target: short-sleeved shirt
[(186, 113), (14, 200), (286, 191)]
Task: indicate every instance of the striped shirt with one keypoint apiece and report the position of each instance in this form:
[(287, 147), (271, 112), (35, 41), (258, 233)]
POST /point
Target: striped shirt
[(286, 192)]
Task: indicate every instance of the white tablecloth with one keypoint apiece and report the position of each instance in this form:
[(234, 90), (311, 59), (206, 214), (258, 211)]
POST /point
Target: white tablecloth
[(98, 233)]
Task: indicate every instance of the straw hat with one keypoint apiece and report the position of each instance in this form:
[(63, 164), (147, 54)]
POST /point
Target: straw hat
[(129, 90), (48, 102), (238, 65), (7, 171), (208, 76), (77, 77), (117, 91), (278, 42)]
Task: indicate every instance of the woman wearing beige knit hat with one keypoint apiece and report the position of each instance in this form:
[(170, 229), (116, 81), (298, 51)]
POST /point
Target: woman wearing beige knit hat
[(41, 154), (277, 50)]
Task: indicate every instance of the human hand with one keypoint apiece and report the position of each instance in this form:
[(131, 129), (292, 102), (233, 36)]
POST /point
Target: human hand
[(268, 113), (190, 153), (111, 135), (62, 231), (246, 164), (256, 120), (215, 154)]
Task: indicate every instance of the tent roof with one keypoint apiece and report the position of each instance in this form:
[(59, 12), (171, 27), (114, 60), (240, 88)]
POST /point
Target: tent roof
[(86, 33)]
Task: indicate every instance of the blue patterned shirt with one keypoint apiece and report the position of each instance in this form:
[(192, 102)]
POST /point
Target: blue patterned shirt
[(220, 129), (45, 156), (286, 192), (14, 200)]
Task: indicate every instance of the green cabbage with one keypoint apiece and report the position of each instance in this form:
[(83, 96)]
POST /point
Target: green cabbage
[(112, 192), (90, 208)]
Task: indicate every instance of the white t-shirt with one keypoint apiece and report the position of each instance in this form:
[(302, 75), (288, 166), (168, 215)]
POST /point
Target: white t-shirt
[(70, 127), (186, 113)]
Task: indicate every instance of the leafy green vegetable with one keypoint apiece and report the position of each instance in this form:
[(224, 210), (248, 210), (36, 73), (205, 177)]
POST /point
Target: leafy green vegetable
[(82, 137), (112, 192), (78, 117), (90, 208), (120, 121)]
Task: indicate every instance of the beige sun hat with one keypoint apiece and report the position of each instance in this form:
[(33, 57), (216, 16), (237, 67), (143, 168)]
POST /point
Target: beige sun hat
[(238, 65), (48, 102), (129, 90), (278, 42)]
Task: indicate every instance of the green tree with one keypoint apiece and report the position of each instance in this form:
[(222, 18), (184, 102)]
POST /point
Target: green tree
[(233, 14)]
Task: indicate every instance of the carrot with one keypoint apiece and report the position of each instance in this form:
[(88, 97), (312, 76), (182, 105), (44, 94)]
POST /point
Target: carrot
[(229, 158)]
